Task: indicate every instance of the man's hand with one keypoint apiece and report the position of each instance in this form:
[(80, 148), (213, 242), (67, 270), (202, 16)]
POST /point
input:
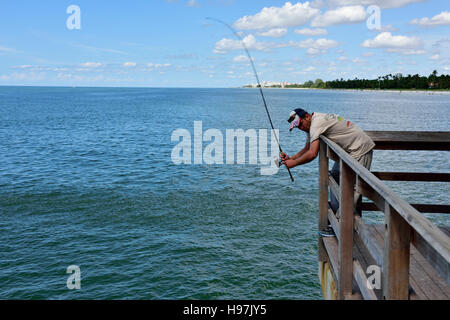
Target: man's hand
[(284, 156), (289, 163)]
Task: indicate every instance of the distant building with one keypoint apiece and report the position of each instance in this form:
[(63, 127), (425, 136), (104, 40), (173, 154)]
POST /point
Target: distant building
[(268, 84), (432, 85)]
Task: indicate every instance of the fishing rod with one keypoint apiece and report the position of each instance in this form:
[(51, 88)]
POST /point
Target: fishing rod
[(259, 85)]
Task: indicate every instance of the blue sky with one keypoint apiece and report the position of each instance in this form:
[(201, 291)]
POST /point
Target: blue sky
[(169, 43)]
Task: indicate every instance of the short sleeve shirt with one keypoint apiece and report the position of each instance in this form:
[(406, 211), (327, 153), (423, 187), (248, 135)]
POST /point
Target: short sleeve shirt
[(341, 131)]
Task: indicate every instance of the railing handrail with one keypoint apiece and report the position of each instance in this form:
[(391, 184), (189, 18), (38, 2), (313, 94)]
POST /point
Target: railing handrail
[(436, 238), (411, 140)]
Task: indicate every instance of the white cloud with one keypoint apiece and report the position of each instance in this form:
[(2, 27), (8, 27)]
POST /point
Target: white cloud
[(304, 71), (400, 44), (8, 50), (311, 32), (129, 64), (314, 47), (25, 66), (319, 43), (442, 49), (91, 64), (358, 60), (274, 17), (386, 28), (368, 54), (158, 65), (226, 44), (192, 3), (440, 43), (407, 52), (276, 33), (182, 56), (96, 49), (30, 76), (343, 15), (332, 69), (441, 19), (435, 57), (241, 58), (42, 68), (384, 4), (318, 46), (250, 42), (313, 51)]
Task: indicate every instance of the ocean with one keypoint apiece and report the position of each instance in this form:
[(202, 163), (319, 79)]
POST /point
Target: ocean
[(87, 178)]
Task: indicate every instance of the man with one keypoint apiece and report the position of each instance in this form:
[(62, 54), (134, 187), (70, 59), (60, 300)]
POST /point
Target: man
[(339, 130)]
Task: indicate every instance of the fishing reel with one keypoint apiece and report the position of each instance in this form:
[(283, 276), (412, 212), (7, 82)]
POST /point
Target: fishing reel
[(277, 162)]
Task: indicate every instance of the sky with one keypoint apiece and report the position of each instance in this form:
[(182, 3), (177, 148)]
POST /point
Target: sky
[(171, 43)]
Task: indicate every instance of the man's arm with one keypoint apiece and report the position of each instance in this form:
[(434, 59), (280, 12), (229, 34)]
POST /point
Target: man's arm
[(302, 152), (299, 154), (307, 156)]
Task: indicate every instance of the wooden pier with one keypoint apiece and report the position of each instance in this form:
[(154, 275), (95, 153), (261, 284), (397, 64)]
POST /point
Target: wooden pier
[(411, 254)]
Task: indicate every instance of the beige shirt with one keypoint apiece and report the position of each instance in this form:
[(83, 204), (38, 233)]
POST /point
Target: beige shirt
[(341, 131)]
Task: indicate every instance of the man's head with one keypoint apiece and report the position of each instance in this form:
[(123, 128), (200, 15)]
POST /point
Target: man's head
[(301, 119)]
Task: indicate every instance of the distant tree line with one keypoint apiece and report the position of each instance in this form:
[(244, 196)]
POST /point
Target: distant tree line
[(308, 84), (397, 81)]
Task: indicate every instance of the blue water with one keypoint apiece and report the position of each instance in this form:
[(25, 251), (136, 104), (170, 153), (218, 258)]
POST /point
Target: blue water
[(86, 178)]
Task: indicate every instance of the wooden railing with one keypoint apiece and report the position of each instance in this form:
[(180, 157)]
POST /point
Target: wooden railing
[(404, 225)]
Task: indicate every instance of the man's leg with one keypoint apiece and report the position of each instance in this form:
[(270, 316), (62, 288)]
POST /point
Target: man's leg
[(366, 161), (335, 172)]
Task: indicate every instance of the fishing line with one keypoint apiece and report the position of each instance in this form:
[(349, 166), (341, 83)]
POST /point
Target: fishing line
[(257, 80)]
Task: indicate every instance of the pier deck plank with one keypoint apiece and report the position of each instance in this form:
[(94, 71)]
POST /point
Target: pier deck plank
[(425, 282)]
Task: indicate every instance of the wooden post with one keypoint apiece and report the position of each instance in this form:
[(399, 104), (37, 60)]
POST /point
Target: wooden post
[(396, 255), (358, 201), (323, 196), (347, 184)]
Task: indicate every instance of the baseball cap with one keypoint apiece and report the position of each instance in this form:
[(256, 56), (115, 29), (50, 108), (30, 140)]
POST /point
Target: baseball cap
[(294, 117)]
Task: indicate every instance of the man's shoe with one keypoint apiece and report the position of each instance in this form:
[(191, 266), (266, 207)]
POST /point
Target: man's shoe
[(328, 232)]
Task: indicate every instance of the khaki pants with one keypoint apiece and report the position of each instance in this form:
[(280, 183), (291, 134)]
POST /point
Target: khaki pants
[(365, 160)]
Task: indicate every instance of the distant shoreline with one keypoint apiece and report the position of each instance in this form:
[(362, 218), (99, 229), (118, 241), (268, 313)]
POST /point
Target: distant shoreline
[(431, 91), (367, 90)]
